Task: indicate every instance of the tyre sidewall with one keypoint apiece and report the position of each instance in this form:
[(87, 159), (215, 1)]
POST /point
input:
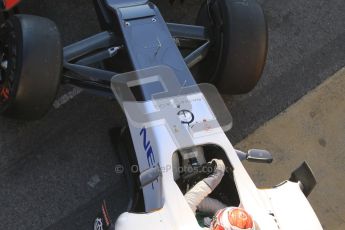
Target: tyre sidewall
[(39, 65)]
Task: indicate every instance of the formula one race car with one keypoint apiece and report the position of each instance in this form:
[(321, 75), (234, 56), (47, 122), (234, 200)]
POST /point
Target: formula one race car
[(176, 120)]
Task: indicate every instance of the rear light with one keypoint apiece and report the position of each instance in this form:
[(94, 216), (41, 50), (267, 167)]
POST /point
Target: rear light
[(8, 4)]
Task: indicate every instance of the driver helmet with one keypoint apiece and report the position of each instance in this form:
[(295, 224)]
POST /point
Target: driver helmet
[(232, 218)]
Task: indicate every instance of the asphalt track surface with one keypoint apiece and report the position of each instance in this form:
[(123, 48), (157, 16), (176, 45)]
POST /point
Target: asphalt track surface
[(54, 172), (311, 130)]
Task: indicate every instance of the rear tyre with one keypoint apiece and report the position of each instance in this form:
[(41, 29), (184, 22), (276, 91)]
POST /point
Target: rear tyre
[(30, 66), (239, 35)]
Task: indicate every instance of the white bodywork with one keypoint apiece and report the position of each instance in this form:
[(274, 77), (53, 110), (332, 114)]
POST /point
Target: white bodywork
[(284, 207)]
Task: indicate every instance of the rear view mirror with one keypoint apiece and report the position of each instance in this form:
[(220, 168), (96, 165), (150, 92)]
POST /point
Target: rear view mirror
[(255, 155), (259, 156)]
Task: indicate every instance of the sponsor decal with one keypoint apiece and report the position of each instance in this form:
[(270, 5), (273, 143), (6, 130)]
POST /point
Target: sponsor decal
[(102, 222), (186, 116), (66, 97), (150, 156), (98, 225), (148, 148)]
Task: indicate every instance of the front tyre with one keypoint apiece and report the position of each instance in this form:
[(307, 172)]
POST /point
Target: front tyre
[(30, 66), (239, 35)]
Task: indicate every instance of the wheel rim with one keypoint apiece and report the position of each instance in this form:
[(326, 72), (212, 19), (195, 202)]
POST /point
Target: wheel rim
[(8, 55)]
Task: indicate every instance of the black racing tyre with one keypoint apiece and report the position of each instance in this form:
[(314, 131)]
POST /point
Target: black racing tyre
[(239, 42), (30, 66)]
